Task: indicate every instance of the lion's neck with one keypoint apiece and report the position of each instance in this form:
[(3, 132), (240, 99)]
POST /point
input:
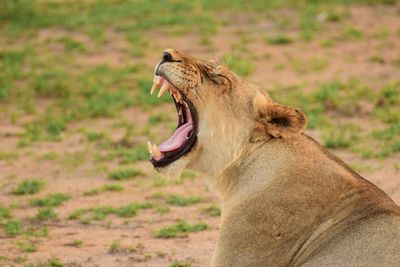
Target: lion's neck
[(224, 146), (241, 175)]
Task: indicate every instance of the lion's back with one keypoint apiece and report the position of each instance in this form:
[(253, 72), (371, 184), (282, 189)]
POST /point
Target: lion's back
[(375, 241)]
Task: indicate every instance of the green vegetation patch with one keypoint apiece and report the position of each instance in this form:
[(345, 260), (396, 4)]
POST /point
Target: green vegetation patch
[(352, 34), (158, 118), (27, 246), (177, 200), (94, 136), (52, 200), (131, 210), (340, 137), (125, 154), (53, 262), (46, 214), (334, 99), (76, 243), (144, 99), (115, 246), (162, 209), (36, 231), (389, 133), (100, 213), (279, 40), (13, 227), (105, 188), (180, 229), (136, 153), (5, 213), (188, 174), (71, 45), (391, 137), (124, 173), (181, 263), (29, 187), (213, 210), (239, 65), (100, 103), (51, 84), (10, 68), (8, 155)]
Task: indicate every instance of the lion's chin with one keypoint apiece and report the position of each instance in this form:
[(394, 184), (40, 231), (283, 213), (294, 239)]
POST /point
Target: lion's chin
[(174, 169)]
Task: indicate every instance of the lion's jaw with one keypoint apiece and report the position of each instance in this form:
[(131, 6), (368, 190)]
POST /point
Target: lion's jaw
[(221, 108)]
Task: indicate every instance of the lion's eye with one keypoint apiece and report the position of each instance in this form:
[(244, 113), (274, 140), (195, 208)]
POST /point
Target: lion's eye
[(167, 57)]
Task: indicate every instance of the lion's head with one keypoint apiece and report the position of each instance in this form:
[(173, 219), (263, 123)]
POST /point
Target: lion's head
[(219, 113)]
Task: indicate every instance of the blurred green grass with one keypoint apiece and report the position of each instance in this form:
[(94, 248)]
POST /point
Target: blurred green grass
[(44, 76)]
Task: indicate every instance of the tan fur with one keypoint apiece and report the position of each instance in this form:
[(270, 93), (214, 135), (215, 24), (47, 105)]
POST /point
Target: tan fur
[(286, 200)]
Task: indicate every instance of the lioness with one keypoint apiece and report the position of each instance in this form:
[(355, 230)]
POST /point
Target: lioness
[(287, 201)]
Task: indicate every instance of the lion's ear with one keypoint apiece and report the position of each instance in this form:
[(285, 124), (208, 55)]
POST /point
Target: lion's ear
[(278, 120)]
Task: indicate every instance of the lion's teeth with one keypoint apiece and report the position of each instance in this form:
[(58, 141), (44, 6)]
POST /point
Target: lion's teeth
[(154, 88), (178, 98), (156, 83), (156, 152), (177, 95), (149, 147), (163, 89)]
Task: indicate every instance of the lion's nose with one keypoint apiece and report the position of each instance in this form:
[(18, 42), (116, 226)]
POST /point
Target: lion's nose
[(167, 57)]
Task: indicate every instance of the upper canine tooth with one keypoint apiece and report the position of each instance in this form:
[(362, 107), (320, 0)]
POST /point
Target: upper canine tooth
[(163, 89), (154, 88), (156, 83)]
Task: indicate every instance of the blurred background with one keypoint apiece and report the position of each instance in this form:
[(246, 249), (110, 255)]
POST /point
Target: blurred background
[(76, 188)]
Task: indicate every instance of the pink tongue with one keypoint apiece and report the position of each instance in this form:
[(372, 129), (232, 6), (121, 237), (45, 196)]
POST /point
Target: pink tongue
[(177, 139)]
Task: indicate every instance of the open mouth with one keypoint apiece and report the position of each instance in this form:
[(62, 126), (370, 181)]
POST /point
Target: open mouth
[(185, 134)]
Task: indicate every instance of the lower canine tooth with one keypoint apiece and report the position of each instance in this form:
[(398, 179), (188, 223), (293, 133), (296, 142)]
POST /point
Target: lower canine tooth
[(156, 152)]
